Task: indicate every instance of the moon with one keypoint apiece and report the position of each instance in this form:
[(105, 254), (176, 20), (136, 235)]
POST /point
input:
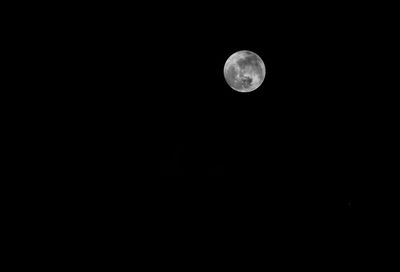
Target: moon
[(242, 59)]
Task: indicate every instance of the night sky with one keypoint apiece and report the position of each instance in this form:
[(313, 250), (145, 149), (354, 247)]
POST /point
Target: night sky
[(152, 97)]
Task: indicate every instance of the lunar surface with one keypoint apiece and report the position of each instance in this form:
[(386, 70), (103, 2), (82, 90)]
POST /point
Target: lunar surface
[(244, 71)]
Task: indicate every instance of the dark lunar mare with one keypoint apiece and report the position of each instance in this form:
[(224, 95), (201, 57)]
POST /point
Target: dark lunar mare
[(252, 60), (247, 81)]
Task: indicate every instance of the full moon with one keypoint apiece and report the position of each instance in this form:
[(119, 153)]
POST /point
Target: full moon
[(244, 71)]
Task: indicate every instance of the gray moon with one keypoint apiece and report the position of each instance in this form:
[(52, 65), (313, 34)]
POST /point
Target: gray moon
[(242, 58)]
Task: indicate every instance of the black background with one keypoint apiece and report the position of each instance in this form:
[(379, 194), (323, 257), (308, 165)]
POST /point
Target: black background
[(306, 122), (133, 146), (303, 134), (147, 124), (146, 87)]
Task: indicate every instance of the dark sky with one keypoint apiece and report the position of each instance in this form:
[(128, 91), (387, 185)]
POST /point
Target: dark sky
[(307, 107), (147, 141), (305, 125), (155, 88)]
